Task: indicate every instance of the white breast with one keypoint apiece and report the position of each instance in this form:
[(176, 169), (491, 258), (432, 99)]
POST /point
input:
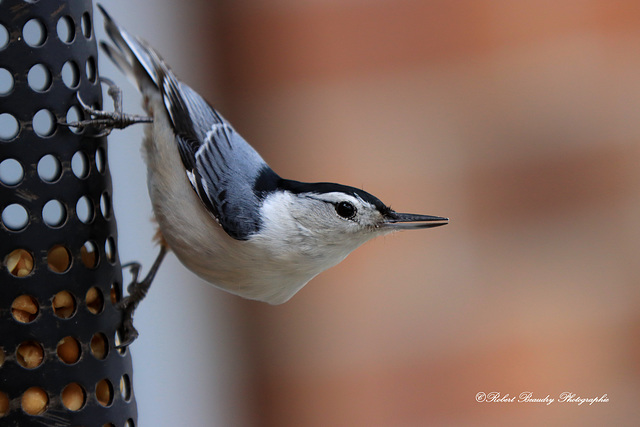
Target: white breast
[(253, 269)]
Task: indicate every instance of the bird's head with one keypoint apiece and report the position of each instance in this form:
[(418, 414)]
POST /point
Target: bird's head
[(334, 209), (329, 221)]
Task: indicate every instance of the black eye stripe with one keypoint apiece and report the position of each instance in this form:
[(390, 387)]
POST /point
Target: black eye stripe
[(346, 210)]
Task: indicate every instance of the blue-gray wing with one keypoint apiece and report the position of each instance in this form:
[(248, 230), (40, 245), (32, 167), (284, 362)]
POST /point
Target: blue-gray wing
[(222, 167), (228, 175)]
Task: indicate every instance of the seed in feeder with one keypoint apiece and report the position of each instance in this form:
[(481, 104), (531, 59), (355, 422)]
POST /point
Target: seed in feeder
[(34, 401), (104, 392), (24, 309), (30, 354), (19, 263), (63, 304), (68, 350), (99, 346), (58, 259), (94, 300)]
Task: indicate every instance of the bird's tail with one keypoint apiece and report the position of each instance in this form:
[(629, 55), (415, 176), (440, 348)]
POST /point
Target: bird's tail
[(135, 58)]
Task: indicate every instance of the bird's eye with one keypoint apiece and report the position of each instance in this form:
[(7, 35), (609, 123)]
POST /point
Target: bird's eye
[(346, 210)]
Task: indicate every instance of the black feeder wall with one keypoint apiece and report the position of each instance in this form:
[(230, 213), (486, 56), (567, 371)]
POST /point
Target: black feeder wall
[(60, 277)]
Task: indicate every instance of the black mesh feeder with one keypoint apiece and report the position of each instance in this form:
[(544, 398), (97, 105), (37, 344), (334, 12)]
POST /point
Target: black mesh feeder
[(60, 277)]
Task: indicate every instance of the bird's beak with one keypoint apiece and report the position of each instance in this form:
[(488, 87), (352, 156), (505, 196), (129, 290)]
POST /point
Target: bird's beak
[(405, 221)]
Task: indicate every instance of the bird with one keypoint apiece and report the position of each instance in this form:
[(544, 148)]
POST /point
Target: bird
[(220, 208)]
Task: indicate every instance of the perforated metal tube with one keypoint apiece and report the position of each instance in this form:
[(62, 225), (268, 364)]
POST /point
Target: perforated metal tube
[(61, 277)]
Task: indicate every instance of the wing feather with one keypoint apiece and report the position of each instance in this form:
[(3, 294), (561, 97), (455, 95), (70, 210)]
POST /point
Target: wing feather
[(226, 173)]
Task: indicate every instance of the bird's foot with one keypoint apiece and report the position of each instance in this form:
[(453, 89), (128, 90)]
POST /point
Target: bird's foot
[(105, 121), (137, 291)]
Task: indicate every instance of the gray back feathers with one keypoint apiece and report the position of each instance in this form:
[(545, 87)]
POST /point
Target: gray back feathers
[(221, 166)]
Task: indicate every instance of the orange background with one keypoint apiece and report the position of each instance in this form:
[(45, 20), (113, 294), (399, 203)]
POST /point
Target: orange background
[(518, 120)]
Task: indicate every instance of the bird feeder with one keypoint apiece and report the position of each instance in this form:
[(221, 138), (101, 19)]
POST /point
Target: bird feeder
[(60, 277)]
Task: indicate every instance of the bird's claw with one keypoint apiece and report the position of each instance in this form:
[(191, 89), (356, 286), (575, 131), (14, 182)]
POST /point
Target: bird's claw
[(137, 291), (127, 333), (134, 269), (106, 121)]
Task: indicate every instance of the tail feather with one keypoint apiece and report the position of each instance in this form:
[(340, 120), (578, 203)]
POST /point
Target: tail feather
[(134, 57), (142, 64), (119, 60)]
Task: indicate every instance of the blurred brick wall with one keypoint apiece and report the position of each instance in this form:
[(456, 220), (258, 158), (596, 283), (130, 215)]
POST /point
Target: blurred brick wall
[(519, 121)]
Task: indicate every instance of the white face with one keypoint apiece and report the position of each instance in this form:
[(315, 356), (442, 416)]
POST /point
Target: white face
[(331, 222), (303, 234), (317, 226), (307, 233), (338, 218)]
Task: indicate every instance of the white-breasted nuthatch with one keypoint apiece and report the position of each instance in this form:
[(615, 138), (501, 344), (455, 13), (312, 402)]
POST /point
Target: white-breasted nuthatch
[(221, 209)]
